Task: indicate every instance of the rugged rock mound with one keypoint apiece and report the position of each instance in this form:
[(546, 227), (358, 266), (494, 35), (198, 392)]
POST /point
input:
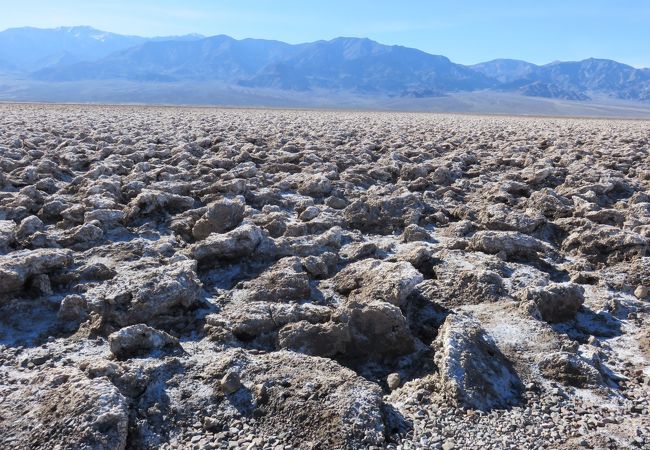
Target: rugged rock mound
[(239, 243), (139, 339), (20, 268), (473, 371), (377, 329), (557, 302), (606, 242), (63, 408), (377, 280), (160, 296), (285, 281), (569, 369), (508, 243), (221, 216), (309, 401), (318, 401)]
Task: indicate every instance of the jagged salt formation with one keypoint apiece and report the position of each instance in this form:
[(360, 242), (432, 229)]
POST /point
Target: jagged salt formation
[(196, 278)]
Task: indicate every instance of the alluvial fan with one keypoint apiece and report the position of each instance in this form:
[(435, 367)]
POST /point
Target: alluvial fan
[(256, 279)]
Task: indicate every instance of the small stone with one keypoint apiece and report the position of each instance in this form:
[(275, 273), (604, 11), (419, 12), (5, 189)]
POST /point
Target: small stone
[(310, 213), (449, 445), (230, 383), (440, 218), (641, 291), (414, 233), (336, 202), (73, 307), (28, 226), (593, 340), (261, 392), (139, 339), (393, 380), (220, 217)]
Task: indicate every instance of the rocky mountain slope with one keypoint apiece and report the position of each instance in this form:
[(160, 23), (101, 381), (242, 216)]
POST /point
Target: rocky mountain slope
[(353, 66), (506, 70), (366, 66), (29, 49), (570, 80), (215, 58), (203, 278), (342, 64)]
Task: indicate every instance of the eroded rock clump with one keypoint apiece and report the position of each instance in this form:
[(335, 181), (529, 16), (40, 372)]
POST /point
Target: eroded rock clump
[(201, 278)]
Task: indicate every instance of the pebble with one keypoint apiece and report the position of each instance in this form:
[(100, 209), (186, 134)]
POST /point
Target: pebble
[(641, 292), (230, 383), (449, 445), (393, 380)]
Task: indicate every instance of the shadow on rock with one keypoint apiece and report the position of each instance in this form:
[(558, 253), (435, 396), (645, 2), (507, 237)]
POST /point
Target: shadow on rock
[(601, 323)]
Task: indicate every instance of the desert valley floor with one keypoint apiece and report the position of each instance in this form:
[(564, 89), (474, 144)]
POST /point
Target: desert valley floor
[(266, 279)]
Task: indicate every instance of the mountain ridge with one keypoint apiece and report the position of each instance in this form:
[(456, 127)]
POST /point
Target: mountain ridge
[(343, 64)]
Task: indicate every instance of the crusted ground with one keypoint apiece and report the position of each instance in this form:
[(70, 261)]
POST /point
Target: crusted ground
[(203, 278)]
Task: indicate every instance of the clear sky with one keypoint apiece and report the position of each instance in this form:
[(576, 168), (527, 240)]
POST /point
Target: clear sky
[(467, 31)]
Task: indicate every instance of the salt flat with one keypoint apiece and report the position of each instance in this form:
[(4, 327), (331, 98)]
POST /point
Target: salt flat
[(225, 278)]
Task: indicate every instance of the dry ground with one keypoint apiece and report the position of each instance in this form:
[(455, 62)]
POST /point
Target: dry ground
[(267, 279)]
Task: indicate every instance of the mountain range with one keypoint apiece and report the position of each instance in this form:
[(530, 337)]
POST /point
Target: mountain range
[(357, 66)]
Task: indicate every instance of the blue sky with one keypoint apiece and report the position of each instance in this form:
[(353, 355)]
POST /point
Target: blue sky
[(467, 31)]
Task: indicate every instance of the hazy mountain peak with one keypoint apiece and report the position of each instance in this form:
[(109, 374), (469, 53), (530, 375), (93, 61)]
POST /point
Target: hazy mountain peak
[(346, 40), (79, 28), (506, 70)]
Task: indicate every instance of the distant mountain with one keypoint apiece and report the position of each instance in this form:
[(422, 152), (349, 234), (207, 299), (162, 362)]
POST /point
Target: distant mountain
[(569, 80), (215, 58), (29, 49), (599, 76), (353, 64), (593, 74), (33, 48), (366, 66), (506, 70), (357, 66)]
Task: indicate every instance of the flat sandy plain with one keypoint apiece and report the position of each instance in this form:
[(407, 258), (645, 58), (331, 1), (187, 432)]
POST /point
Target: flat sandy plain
[(269, 279)]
